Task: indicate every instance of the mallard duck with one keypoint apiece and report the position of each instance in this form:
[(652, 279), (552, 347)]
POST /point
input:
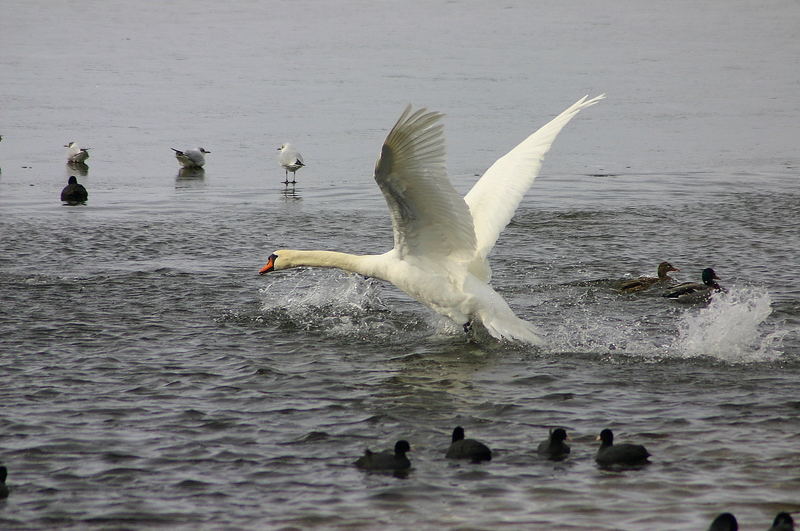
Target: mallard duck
[(643, 283), (554, 447), (694, 291), (471, 449), (620, 454), (74, 192), (396, 460)]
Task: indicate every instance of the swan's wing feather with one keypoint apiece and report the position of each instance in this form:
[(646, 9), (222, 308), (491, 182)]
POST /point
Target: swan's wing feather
[(428, 216), (497, 194)]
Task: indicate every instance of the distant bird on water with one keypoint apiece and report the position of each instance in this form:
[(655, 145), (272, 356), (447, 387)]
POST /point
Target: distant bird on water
[(462, 448), (76, 153), (782, 522), (554, 447), (724, 522), (619, 454), (191, 158), (3, 486), (74, 192), (642, 283), (291, 161), (396, 461), (694, 291)]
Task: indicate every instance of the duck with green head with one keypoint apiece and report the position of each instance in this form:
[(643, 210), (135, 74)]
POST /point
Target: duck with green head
[(695, 291)]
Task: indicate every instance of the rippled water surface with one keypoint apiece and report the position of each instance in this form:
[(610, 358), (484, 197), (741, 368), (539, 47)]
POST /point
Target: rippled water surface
[(151, 379)]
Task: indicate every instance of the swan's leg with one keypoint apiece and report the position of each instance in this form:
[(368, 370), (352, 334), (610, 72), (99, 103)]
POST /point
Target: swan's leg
[(286, 180), (469, 332)]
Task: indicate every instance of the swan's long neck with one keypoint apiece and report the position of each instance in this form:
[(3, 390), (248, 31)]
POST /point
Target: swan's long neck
[(361, 264)]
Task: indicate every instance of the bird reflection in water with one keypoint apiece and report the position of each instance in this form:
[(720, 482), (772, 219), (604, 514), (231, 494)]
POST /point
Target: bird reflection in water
[(289, 193), (81, 168), (190, 178)]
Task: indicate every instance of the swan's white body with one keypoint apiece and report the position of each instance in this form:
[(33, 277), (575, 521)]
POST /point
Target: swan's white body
[(290, 160), (75, 153), (441, 240), (191, 158)]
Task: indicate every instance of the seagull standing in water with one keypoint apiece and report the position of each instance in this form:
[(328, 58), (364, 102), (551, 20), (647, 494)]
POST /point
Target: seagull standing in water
[(291, 161), (442, 240), (75, 153), (191, 158)]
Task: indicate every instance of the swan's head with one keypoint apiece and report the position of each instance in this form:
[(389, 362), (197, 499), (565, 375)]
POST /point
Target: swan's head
[(270, 265), (281, 259), (202, 150)]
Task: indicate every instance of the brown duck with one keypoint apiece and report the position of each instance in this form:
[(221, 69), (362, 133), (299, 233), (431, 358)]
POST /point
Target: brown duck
[(643, 283)]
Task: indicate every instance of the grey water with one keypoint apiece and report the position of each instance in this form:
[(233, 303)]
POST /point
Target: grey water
[(150, 378)]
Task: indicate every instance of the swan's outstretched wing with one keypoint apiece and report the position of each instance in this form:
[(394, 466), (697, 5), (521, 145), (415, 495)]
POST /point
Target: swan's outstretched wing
[(429, 217), (496, 196)]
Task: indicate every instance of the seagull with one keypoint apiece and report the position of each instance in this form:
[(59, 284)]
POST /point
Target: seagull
[(191, 158), (441, 240), (76, 153), (291, 161), (74, 192)]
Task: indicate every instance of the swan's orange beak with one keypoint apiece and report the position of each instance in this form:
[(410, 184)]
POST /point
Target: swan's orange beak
[(269, 266)]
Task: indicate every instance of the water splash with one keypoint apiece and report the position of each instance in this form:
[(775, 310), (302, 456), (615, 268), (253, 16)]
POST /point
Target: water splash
[(731, 328), (341, 304)]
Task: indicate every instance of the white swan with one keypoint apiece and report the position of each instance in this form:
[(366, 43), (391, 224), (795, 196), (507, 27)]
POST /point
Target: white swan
[(441, 240)]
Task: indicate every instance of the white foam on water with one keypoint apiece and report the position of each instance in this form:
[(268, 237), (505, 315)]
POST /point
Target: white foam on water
[(731, 328), (341, 304)]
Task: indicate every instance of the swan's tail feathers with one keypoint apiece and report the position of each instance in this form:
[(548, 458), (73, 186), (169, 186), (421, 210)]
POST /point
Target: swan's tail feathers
[(511, 328), (497, 194)]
